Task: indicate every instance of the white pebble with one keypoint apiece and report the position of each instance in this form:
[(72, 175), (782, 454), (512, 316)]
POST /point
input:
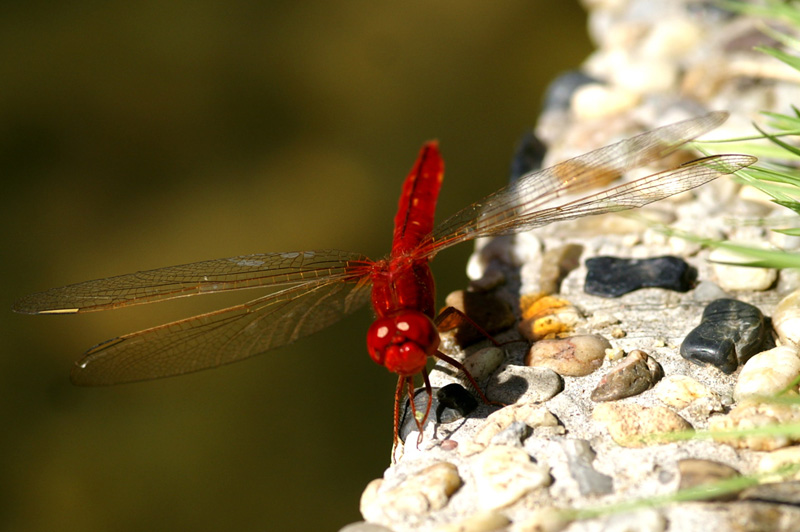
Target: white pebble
[(532, 414), (505, 474), (420, 493), (750, 415), (768, 373), (482, 363), (740, 277), (596, 101), (777, 463), (678, 391), (786, 319), (671, 39), (646, 76)]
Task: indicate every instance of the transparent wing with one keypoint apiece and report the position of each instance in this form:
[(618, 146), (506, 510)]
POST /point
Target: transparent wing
[(224, 336), (532, 200), (206, 277), (631, 195)]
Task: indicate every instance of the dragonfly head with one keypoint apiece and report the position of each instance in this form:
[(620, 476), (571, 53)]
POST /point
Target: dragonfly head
[(403, 341)]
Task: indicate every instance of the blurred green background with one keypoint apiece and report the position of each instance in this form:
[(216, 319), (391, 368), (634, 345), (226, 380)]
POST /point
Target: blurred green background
[(146, 134)]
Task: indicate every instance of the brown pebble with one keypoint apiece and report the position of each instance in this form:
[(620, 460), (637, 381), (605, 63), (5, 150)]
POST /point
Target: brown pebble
[(574, 356), (449, 445), (635, 374), (696, 472), (632, 425)]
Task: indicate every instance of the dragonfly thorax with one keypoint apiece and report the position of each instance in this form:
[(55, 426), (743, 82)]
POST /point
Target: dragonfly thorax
[(402, 342), (402, 283)]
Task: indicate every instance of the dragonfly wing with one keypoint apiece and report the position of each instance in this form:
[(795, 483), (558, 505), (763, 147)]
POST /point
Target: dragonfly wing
[(224, 336), (206, 277), (631, 195), (516, 207)]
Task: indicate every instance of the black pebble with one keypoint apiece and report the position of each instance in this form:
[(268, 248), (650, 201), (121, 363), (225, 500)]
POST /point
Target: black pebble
[(613, 277), (449, 403), (729, 333), (558, 95), (528, 156)]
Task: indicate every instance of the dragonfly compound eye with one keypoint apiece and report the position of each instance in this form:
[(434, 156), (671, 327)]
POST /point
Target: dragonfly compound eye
[(403, 342)]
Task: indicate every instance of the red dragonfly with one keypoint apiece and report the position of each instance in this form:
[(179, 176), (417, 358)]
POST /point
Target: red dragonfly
[(320, 287)]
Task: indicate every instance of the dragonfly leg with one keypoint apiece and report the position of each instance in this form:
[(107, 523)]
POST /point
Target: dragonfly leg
[(429, 392), (420, 421), (398, 394), (405, 385), (451, 317), (460, 367)]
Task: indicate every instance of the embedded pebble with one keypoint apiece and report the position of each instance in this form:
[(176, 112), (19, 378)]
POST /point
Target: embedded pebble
[(615, 354), (682, 247), (602, 319), (529, 414), (775, 465), (482, 363), (575, 356), (448, 445), (636, 373), (782, 240), (594, 100), (730, 332), (768, 373), (559, 92), (678, 391), (485, 521), (528, 156), (696, 472), (614, 277), (706, 291), (786, 319), (488, 311), (527, 252), (580, 456), (556, 264), (487, 251), (645, 75), (489, 280), (449, 403), (758, 516), (618, 333), (420, 493), (789, 280), (542, 519), (787, 492), (513, 435), (524, 384), (672, 38), (699, 410), (546, 317), (740, 277), (505, 474), (632, 425), (754, 416)]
